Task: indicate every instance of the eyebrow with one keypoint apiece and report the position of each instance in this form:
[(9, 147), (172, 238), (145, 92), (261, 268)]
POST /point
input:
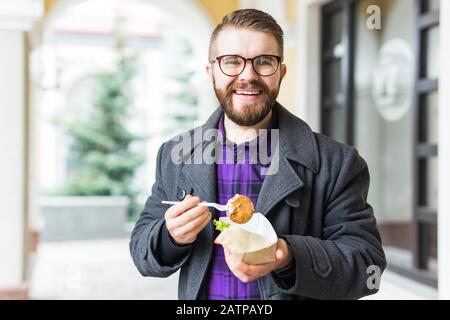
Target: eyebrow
[(238, 54)]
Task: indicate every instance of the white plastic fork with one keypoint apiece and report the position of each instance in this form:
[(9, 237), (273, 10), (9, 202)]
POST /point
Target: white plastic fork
[(220, 207)]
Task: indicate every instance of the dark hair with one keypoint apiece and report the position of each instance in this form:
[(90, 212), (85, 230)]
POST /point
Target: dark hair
[(249, 19)]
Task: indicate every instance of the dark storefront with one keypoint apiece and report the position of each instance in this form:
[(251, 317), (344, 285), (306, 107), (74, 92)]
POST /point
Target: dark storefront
[(380, 94)]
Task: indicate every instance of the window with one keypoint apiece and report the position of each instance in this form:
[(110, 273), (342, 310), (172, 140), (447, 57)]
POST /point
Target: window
[(425, 137), (336, 104), (380, 94)]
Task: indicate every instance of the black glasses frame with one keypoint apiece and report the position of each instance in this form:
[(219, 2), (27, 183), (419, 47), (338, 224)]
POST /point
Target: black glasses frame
[(219, 58)]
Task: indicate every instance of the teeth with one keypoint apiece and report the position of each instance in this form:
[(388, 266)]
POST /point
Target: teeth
[(250, 93)]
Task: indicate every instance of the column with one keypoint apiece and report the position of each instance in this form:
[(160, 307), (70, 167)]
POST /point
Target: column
[(16, 18)]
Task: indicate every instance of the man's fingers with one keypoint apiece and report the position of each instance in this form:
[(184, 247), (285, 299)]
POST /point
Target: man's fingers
[(198, 224), (243, 267), (205, 222), (179, 208), (189, 216), (250, 272), (247, 272), (254, 270), (231, 262), (191, 229), (243, 277), (239, 271), (238, 268)]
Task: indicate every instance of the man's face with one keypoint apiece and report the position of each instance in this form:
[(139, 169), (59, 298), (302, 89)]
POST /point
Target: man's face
[(248, 97)]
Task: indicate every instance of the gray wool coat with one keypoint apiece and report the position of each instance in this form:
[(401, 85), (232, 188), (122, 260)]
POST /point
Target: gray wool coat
[(316, 202)]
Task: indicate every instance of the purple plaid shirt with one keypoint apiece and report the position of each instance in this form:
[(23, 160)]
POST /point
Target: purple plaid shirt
[(238, 177)]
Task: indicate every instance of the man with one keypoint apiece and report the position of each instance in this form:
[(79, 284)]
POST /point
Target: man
[(315, 199)]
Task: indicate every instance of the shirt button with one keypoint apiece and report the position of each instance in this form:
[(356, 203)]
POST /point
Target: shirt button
[(181, 194)]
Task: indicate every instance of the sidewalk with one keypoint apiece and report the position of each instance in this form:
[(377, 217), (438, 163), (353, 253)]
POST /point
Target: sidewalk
[(103, 269), (94, 269), (395, 287)]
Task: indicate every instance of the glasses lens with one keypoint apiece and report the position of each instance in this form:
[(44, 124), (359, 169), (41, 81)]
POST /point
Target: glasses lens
[(232, 65), (265, 65)]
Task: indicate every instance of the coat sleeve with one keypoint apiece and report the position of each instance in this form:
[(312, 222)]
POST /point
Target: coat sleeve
[(336, 265), (148, 234)]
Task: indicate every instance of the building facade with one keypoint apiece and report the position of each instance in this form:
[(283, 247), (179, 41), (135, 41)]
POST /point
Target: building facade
[(374, 75)]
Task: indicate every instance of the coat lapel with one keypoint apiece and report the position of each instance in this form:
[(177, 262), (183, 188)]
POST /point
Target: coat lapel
[(296, 144), (200, 174), (276, 186), (203, 179)]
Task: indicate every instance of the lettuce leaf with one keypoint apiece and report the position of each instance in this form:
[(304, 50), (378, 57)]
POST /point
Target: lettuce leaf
[(220, 225)]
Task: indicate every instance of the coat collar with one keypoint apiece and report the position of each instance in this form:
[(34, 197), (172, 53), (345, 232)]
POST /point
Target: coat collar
[(297, 141)]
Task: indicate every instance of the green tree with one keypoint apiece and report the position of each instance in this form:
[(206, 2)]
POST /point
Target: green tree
[(182, 99), (100, 157)]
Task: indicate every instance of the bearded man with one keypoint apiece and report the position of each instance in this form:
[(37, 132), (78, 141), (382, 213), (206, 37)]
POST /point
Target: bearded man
[(316, 198)]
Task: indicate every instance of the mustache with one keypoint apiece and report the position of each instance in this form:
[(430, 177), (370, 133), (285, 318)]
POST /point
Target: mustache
[(248, 85)]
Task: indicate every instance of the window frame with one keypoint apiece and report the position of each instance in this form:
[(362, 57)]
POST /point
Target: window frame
[(424, 216), (328, 103)]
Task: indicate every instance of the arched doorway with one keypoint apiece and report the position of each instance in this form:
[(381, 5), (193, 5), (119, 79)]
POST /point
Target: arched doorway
[(75, 42)]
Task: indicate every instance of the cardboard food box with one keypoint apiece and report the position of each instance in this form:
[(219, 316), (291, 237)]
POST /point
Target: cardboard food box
[(254, 241)]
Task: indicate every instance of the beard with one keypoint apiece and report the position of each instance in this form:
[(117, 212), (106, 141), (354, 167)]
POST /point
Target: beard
[(253, 112)]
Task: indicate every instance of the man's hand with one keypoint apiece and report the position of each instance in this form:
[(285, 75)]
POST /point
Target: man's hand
[(250, 272), (185, 220)]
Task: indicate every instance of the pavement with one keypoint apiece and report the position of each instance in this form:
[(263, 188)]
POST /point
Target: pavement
[(93, 269), (103, 269)]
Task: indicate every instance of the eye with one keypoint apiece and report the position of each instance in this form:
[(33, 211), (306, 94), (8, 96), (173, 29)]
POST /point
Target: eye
[(265, 61), (231, 61)]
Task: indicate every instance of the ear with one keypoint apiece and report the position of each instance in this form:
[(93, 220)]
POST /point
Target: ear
[(208, 69), (283, 70)]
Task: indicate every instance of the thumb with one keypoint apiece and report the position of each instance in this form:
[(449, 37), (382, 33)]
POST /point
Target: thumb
[(279, 254)]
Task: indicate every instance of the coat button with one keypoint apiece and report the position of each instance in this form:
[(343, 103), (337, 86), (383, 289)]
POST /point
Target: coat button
[(181, 194)]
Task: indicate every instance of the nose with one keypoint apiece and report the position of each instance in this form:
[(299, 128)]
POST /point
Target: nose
[(248, 73)]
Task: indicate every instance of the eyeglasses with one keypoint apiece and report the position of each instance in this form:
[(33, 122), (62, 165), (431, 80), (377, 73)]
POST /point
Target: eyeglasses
[(233, 65)]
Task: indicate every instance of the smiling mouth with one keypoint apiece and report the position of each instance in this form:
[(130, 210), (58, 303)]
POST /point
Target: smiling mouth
[(247, 92)]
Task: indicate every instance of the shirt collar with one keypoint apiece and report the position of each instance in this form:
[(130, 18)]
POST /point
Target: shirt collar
[(264, 135)]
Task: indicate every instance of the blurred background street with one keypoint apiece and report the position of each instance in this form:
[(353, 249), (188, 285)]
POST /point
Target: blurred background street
[(94, 269)]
